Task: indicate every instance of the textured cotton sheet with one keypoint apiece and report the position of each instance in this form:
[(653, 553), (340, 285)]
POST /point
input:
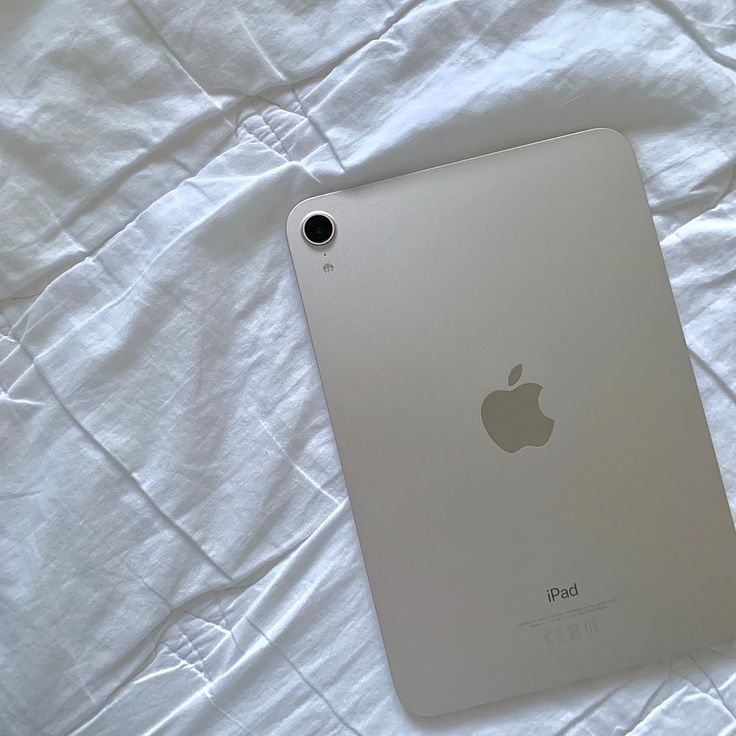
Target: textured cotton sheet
[(177, 553)]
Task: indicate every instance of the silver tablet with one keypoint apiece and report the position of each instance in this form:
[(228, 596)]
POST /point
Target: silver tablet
[(526, 455)]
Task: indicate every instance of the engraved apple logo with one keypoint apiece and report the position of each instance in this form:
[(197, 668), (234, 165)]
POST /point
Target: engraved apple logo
[(513, 418)]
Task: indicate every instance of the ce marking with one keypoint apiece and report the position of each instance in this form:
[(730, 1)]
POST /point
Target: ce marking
[(569, 632)]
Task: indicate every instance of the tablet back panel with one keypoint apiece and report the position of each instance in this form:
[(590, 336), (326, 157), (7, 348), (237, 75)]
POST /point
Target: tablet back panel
[(525, 451)]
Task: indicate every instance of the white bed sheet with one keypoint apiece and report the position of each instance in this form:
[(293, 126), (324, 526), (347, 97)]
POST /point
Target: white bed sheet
[(177, 554)]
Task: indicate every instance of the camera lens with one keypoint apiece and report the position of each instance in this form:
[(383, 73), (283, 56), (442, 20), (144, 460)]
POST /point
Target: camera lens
[(318, 228)]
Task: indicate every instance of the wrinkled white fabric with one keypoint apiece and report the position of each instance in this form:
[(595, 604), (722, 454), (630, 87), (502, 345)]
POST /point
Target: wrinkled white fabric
[(177, 553)]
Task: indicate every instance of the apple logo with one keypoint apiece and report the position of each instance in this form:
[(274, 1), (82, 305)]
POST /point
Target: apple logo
[(513, 418)]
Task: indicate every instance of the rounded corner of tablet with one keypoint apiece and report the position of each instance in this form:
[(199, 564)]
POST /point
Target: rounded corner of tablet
[(615, 139)]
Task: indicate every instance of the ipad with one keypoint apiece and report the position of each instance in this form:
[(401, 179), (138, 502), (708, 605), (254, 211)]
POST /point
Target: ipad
[(525, 451)]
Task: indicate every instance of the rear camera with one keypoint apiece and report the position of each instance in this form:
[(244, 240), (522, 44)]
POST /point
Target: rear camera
[(318, 228)]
